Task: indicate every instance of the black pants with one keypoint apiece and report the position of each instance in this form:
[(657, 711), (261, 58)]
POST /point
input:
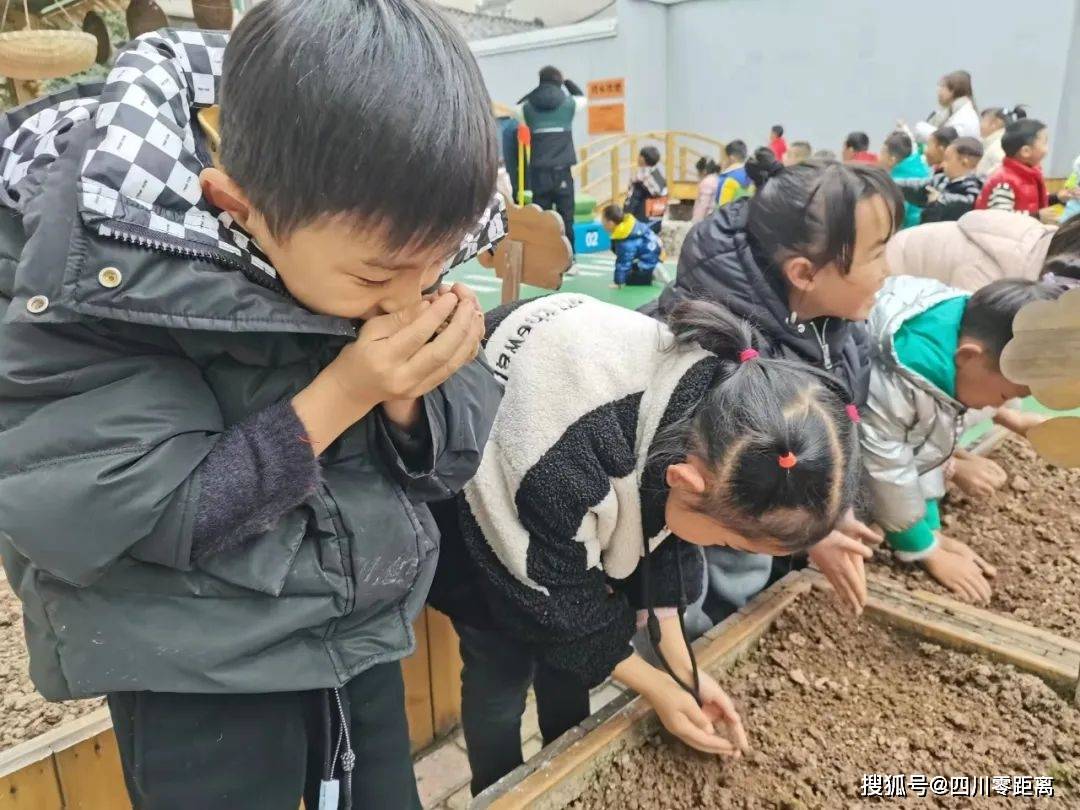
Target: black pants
[(263, 751), (494, 685), (554, 188)]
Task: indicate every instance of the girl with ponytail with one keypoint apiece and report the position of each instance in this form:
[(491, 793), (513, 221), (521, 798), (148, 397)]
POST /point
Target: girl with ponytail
[(622, 446), (803, 260)]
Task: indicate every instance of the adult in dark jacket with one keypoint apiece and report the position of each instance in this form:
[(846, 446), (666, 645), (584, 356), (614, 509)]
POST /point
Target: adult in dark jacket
[(802, 260), (211, 504), (549, 112)]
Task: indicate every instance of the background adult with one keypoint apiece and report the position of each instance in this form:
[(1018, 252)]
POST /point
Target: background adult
[(956, 104), (549, 110)]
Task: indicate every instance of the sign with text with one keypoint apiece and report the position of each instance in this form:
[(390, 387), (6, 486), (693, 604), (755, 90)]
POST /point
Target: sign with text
[(607, 89), (607, 119)]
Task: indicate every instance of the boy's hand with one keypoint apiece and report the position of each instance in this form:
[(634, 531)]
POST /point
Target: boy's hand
[(932, 195), (1018, 421), (978, 477), (395, 358), (967, 552), (959, 574)]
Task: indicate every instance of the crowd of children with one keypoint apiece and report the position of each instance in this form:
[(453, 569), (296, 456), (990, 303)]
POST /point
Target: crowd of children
[(256, 408)]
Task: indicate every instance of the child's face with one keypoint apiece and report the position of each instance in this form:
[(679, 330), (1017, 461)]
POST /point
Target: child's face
[(826, 291), (334, 268), (1034, 154), (935, 152), (944, 95), (687, 523), (989, 124), (979, 381), (886, 159), (641, 162), (955, 165), (609, 226)]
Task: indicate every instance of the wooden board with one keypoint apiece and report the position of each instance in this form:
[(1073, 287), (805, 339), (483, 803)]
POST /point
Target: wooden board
[(607, 119), (445, 667), (90, 775), (35, 787), (416, 673)]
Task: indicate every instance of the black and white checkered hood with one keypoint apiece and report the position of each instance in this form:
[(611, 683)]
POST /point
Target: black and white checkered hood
[(140, 176)]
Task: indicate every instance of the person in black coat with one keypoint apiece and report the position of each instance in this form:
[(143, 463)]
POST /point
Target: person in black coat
[(803, 260)]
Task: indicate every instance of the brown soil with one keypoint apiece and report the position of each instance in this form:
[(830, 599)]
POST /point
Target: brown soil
[(23, 712), (1030, 531), (826, 701)]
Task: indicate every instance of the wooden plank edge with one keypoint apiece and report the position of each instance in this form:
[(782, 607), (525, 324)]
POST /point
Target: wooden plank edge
[(982, 615), (58, 739), (587, 749)]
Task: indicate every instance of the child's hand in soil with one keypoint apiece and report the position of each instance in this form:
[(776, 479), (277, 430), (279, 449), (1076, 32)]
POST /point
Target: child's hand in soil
[(976, 476), (680, 714), (840, 557), (720, 709), (959, 574), (967, 552)]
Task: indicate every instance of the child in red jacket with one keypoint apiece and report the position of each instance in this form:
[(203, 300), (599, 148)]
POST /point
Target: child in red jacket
[(1018, 185)]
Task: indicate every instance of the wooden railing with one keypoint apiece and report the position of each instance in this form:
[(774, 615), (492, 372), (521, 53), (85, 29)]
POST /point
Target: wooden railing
[(605, 164)]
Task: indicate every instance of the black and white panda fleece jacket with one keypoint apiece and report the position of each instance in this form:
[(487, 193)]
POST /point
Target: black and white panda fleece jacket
[(565, 495)]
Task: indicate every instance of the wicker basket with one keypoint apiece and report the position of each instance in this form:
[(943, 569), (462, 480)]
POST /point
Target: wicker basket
[(45, 54)]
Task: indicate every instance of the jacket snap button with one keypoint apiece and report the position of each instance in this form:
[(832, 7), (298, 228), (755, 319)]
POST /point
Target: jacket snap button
[(109, 277), (801, 328), (37, 304)]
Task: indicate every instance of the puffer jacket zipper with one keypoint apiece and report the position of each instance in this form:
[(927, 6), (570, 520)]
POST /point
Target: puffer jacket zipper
[(826, 353)]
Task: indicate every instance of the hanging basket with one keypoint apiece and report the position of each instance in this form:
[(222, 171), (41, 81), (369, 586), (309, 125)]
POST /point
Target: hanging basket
[(45, 54)]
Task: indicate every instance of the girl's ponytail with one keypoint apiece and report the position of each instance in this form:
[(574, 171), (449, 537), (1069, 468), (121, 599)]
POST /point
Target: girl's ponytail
[(763, 166)]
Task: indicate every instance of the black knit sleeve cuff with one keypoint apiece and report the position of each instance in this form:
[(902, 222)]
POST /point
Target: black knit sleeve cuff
[(260, 469)]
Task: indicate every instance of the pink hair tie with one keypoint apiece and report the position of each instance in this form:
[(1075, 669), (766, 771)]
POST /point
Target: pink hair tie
[(853, 413), (748, 354), (788, 460)]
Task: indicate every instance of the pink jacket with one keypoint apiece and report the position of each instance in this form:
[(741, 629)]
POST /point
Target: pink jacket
[(979, 248), (706, 197)]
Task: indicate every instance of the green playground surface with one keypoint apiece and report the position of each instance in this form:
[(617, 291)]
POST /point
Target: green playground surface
[(594, 276)]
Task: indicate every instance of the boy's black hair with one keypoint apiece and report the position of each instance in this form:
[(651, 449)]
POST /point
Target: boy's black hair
[(899, 145), (613, 213), (650, 154), (971, 148), (323, 116), (945, 136), (859, 141), (706, 165), (809, 210), (802, 146), (777, 130), (753, 414), (1019, 134), (736, 149), (989, 314), (549, 74)]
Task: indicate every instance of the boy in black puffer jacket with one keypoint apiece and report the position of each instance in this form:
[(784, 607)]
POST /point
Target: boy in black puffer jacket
[(224, 395)]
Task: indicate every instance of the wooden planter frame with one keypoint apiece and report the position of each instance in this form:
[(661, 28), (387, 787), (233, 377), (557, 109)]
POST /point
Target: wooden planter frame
[(556, 776)]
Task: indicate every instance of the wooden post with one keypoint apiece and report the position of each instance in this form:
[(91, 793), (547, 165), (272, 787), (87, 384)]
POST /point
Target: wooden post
[(511, 286), (616, 186), (683, 154), (633, 152), (669, 157), (583, 179)]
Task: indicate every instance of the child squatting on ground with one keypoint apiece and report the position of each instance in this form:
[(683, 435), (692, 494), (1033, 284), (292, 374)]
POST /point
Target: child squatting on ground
[(234, 539), (672, 439), (636, 248), (936, 353)]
